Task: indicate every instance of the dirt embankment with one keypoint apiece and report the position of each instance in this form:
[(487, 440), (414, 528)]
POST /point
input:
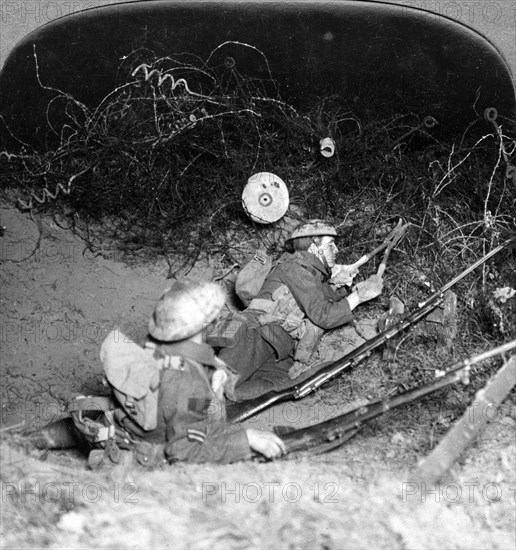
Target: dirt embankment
[(58, 303)]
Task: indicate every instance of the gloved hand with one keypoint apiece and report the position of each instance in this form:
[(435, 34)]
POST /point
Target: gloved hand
[(266, 443), (369, 289), (218, 382), (221, 384), (343, 275)]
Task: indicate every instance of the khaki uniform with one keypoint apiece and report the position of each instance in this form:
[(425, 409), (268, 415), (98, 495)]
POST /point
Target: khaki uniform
[(308, 280), (189, 425), (259, 344)]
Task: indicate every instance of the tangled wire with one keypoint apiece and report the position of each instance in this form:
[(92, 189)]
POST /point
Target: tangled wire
[(161, 161)]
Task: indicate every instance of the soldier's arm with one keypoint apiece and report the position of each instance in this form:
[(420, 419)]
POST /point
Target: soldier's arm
[(308, 290), (209, 442)]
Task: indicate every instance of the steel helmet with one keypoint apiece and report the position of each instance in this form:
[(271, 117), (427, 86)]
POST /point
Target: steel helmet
[(185, 308), (313, 228)]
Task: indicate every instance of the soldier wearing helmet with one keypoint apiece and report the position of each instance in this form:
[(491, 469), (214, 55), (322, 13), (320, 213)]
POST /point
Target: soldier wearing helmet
[(295, 305), (187, 420), (318, 238)]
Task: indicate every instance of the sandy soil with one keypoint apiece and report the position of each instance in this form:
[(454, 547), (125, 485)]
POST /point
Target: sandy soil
[(58, 303)]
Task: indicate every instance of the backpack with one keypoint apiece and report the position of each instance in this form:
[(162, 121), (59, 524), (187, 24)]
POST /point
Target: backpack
[(251, 277), (94, 421), (132, 375)]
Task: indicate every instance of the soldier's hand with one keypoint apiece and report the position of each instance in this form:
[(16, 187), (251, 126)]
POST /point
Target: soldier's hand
[(343, 274), (218, 381), (266, 443), (370, 288)]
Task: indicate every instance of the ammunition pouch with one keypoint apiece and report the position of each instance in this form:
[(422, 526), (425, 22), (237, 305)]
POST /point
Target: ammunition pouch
[(95, 419), (285, 311), (308, 342), (224, 332)]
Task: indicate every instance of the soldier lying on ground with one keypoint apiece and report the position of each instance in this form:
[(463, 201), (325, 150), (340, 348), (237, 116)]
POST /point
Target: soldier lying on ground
[(285, 321), (168, 395)]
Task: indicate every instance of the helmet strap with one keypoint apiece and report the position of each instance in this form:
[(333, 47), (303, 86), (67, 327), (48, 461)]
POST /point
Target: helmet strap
[(316, 250), (320, 251)]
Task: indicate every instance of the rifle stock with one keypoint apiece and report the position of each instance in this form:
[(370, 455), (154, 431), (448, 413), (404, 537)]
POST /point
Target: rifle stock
[(238, 412), (338, 427)]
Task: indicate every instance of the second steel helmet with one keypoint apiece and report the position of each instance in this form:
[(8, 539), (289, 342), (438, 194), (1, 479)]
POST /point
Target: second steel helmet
[(185, 309), (313, 228)]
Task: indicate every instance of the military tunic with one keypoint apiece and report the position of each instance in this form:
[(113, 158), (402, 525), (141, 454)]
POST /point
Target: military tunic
[(308, 280), (262, 354), (190, 424)]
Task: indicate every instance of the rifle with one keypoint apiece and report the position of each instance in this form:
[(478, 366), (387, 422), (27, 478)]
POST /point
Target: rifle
[(238, 412), (334, 432)]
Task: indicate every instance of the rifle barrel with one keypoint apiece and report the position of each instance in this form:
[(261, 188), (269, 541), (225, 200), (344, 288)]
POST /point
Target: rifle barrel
[(365, 349), (238, 412), (244, 410), (338, 426), (467, 271)]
